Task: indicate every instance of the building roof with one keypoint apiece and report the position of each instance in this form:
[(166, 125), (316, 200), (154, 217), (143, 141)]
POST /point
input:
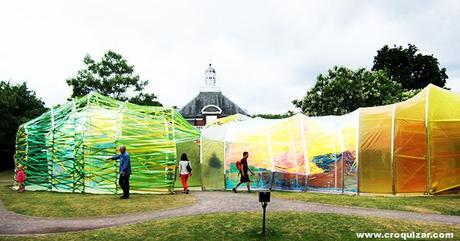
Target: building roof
[(208, 101)]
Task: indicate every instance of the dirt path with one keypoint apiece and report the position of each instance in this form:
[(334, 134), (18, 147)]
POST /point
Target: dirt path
[(207, 202)]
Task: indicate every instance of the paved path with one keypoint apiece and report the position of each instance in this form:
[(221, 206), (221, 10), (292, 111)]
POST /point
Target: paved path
[(207, 202)]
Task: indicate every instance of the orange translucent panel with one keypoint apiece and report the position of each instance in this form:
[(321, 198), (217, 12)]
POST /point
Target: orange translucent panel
[(375, 149), (444, 131), (410, 145)]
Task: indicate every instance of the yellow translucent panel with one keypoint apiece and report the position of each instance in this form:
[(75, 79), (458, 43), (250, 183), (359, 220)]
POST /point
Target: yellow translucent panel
[(410, 145), (324, 150), (375, 149), (443, 105), (445, 156), (444, 131), (258, 148), (348, 160), (212, 164), (287, 146)]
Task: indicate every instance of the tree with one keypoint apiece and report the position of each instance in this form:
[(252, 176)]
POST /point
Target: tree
[(145, 99), (275, 116), (413, 70), (18, 105), (342, 90), (113, 77)]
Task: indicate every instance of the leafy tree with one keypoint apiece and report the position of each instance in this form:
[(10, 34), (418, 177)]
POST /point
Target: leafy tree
[(112, 76), (18, 105), (275, 116), (413, 70), (145, 99), (342, 90)]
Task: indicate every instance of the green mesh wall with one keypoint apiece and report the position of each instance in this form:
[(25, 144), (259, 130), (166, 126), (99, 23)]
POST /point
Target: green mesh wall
[(66, 149)]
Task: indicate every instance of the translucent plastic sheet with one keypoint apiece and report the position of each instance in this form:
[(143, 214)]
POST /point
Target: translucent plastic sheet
[(410, 145), (66, 149), (212, 163), (259, 161), (324, 153), (278, 150), (375, 140), (444, 139), (192, 149)]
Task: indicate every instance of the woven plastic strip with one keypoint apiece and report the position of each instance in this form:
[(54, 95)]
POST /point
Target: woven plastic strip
[(66, 149)]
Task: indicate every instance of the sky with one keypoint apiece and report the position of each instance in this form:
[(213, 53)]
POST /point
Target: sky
[(266, 53)]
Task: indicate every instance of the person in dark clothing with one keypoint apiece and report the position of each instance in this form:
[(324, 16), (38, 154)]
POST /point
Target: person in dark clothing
[(244, 173), (125, 171)]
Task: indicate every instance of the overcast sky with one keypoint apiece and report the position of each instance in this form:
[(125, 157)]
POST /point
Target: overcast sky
[(266, 53)]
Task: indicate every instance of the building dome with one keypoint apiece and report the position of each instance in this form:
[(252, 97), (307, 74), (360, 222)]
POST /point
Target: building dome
[(210, 78), (210, 69)]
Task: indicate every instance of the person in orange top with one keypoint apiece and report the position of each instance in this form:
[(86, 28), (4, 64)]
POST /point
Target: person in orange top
[(21, 178)]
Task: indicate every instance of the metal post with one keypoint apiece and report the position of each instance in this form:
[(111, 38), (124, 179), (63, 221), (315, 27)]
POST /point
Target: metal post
[(264, 207)]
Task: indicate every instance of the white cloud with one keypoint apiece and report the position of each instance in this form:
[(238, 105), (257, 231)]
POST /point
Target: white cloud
[(266, 53)]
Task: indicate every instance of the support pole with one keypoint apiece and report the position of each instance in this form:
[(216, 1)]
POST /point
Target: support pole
[(201, 161), (427, 138), (269, 145), (74, 110), (334, 150), (305, 153), (225, 162), (357, 152), (342, 148), (51, 152), (173, 124), (393, 164)]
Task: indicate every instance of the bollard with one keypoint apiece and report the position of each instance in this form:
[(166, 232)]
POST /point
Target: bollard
[(264, 199)]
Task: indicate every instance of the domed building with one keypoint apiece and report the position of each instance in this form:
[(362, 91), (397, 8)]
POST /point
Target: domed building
[(210, 104)]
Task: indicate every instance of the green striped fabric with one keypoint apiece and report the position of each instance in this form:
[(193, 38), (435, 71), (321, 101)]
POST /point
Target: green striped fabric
[(66, 149)]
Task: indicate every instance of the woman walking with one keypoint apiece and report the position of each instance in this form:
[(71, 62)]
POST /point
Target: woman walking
[(185, 170)]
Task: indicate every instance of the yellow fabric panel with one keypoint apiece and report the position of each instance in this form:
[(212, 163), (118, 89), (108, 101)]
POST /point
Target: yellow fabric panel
[(287, 146), (375, 149), (445, 155), (410, 156), (321, 139), (213, 164), (349, 146), (256, 143), (444, 139), (228, 119), (349, 134), (410, 145), (443, 105)]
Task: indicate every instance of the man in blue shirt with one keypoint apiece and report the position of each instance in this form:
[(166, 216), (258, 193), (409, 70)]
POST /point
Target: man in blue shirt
[(125, 171)]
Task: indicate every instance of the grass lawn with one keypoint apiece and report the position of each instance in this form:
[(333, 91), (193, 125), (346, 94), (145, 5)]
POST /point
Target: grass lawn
[(52, 204), (422, 204), (246, 226)]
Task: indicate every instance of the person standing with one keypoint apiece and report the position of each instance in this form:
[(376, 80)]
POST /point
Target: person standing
[(20, 178), (185, 170), (244, 173), (125, 171)]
